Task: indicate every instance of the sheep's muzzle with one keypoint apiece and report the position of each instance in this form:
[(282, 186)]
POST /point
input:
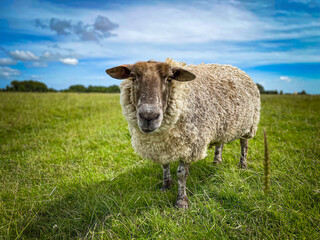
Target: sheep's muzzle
[(149, 117)]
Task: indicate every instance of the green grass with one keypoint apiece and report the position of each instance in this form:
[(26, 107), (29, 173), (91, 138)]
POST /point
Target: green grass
[(67, 170)]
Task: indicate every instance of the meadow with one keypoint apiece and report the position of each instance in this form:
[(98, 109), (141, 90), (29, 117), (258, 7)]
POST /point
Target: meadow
[(68, 171)]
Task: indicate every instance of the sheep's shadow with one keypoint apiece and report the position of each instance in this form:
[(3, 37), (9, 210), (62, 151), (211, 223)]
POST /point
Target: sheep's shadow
[(132, 192)]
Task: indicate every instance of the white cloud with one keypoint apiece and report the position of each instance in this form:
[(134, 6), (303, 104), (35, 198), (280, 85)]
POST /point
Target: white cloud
[(101, 28), (39, 64), (8, 72), (285, 78), (66, 56), (7, 61), (69, 61), (34, 76), (23, 55), (46, 54)]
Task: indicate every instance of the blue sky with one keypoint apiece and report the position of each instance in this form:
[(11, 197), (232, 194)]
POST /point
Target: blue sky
[(62, 43)]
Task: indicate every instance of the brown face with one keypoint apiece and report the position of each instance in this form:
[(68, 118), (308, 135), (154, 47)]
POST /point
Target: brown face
[(151, 83)]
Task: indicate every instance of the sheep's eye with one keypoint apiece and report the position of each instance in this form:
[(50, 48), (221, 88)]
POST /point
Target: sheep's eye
[(169, 79), (133, 77)]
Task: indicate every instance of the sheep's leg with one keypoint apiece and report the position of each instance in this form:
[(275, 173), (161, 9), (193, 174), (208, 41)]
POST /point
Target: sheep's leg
[(218, 154), (182, 174), (244, 152), (167, 181)]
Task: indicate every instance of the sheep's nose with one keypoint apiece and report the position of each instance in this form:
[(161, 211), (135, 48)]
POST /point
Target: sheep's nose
[(149, 116)]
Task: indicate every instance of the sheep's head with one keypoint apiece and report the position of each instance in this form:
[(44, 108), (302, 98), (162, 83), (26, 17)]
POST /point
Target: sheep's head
[(151, 83)]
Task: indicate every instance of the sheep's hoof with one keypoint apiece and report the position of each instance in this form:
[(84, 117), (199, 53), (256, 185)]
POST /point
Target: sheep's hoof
[(166, 185), (242, 165), (217, 161), (182, 202)]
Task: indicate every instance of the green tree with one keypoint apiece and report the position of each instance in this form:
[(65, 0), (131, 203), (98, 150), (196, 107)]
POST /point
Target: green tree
[(101, 89), (77, 88), (27, 86), (113, 89), (260, 87), (303, 92), (270, 92)]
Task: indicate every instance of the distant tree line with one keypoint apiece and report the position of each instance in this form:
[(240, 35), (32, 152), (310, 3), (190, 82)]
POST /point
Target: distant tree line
[(101, 89), (262, 91), (36, 86), (28, 86)]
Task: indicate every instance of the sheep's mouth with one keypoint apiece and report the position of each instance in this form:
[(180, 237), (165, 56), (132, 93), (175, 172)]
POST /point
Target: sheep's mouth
[(149, 126), (148, 130)]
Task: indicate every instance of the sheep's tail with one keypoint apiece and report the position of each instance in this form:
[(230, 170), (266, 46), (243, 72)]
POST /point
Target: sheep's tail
[(173, 63)]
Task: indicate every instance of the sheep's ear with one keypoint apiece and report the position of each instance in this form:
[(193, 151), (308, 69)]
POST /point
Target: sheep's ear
[(182, 75), (119, 72)]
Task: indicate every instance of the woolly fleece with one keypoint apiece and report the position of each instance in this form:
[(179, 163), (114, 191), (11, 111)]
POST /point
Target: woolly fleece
[(222, 104)]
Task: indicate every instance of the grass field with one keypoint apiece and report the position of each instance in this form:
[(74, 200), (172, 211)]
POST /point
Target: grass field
[(67, 170)]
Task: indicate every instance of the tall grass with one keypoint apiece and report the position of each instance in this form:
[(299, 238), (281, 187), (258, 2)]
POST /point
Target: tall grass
[(67, 170), (267, 163)]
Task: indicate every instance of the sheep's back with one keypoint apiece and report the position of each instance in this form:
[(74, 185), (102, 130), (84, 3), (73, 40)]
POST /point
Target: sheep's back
[(224, 103)]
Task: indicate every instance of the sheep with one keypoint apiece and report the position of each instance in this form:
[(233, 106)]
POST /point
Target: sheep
[(176, 111)]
